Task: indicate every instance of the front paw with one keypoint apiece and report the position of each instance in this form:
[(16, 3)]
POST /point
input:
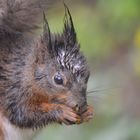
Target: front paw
[(88, 114), (67, 115)]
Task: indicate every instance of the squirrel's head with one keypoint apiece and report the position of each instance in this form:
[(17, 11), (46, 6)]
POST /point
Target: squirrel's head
[(62, 69)]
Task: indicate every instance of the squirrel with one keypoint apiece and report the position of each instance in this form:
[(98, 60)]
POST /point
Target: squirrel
[(43, 78)]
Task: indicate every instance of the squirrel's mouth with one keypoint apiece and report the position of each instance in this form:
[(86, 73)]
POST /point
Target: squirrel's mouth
[(80, 109)]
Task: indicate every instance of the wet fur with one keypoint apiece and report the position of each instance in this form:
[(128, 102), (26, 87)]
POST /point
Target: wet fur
[(29, 98)]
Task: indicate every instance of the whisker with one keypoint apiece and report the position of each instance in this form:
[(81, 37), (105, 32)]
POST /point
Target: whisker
[(94, 91), (101, 91)]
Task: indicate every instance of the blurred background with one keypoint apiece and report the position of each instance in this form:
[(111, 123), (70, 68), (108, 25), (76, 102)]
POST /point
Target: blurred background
[(109, 34)]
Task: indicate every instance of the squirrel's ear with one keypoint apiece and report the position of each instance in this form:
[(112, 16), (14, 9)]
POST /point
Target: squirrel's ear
[(69, 31), (47, 36)]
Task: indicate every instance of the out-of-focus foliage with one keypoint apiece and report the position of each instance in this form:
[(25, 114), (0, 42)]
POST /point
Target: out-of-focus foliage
[(109, 34)]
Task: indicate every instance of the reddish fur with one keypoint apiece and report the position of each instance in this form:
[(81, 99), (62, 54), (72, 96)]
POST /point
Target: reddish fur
[(1, 133), (29, 95), (1, 129)]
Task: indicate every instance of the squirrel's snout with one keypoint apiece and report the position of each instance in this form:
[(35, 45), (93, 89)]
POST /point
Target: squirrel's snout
[(80, 107)]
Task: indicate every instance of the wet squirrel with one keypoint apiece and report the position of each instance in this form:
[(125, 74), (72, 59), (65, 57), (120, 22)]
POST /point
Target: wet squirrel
[(43, 79)]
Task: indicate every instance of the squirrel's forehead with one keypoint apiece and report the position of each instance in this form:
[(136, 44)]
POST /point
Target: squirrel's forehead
[(74, 65)]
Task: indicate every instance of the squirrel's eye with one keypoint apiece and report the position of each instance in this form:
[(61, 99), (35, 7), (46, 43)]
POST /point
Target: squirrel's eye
[(58, 79)]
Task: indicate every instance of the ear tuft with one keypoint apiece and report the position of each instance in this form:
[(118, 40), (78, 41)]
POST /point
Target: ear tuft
[(47, 35), (69, 30)]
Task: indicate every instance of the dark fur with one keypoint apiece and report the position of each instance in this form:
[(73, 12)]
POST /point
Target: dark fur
[(29, 97), (14, 19)]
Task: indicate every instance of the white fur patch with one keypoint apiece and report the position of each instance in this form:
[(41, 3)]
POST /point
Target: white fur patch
[(13, 133), (1, 12)]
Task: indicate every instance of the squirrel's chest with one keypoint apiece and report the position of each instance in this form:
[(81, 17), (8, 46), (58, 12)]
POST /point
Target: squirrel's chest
[(10, 132)]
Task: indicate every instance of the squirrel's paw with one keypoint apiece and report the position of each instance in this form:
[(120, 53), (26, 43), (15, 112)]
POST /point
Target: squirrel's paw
[(67, 116), (88, 115)]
